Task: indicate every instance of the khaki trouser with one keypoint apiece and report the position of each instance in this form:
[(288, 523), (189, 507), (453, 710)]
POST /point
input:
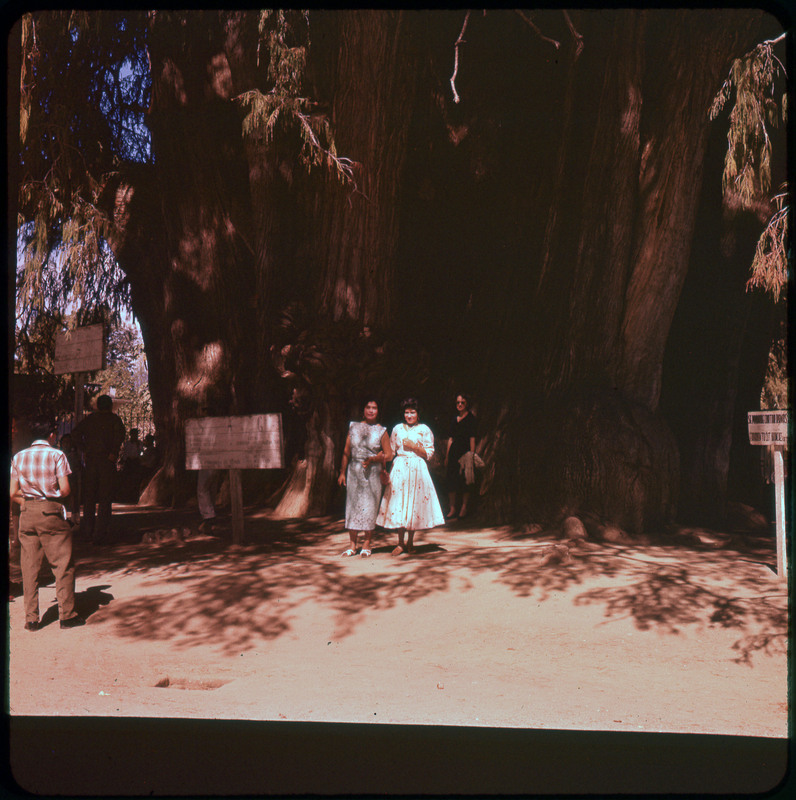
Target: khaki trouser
[(43, 531)]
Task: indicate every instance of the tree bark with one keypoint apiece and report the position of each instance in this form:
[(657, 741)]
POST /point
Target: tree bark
[(584, 434), (716, 361), (373, 96), (180, 235), (355, 230)]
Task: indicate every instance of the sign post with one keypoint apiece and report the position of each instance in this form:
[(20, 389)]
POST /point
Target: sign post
[(80, 383), (79, 351), (771, 428), (235, 443), (779, 500)]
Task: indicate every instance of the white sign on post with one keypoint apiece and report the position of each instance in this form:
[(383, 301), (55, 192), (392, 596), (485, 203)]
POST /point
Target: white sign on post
[(235, 443), (771, 428), (768, 427), (247, 442), (80, 350)]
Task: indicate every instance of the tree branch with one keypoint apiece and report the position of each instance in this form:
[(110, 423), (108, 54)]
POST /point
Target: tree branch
[(536, 30), (575, 35), (778, 39), (459, 41)]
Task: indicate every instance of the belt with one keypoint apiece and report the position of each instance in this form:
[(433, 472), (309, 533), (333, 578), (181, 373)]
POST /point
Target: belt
[(44, 499)]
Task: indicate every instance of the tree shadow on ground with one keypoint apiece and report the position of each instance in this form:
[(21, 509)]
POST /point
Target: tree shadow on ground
[(205, 591)]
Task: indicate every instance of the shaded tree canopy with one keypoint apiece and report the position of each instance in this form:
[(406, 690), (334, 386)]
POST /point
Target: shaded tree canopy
[(305, 206)]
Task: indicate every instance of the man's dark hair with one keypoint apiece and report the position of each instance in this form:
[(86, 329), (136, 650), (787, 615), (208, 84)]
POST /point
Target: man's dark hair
[(42, 427), (104, 403)]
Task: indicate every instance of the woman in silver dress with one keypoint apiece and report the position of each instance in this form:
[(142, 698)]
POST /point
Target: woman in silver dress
[(367, 449)]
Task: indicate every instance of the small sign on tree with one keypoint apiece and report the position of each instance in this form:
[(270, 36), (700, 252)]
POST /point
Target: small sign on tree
[(768, 427)]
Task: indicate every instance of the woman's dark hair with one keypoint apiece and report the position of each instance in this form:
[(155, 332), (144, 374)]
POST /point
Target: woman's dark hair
[(410, 402), (369, 399)]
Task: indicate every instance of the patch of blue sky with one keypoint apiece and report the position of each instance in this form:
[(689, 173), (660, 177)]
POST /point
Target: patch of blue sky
[(124, 97)]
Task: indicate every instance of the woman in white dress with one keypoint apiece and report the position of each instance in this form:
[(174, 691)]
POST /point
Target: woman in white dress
[(410, 501)]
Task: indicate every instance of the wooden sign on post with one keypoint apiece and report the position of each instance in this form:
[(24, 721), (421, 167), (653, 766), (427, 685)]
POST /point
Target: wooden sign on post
[(235, 443), (80, 350), (771, 428), (250, 442)]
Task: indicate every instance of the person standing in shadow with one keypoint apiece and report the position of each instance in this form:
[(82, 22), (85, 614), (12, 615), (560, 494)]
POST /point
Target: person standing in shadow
[(99, 437), (461, 440)]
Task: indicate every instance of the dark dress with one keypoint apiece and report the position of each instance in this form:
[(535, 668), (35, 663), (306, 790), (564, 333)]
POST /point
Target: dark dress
[(461, 432)]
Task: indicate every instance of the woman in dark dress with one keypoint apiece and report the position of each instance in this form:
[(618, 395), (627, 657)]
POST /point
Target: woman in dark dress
[(461, 440)]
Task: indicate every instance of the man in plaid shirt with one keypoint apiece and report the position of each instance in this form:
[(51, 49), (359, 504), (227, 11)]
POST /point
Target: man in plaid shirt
[(39, 484)]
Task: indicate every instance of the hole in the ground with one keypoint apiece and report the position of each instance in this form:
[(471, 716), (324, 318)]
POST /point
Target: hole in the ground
[(186, 683)]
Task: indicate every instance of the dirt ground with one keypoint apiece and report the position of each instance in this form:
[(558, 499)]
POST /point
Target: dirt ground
[(481, 627)]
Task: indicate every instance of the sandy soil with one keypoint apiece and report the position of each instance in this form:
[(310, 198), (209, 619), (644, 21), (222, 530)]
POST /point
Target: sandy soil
[(482, 627)]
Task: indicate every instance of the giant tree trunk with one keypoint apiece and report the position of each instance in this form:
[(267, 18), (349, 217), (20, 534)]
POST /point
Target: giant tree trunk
[(181, 235), (563, 190), (586, 314), (355, 230), (716, 357)]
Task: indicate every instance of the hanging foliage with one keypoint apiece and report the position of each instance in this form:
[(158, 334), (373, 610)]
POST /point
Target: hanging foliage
[(83, 94), (747, 165), (770, 263), (284, 104)]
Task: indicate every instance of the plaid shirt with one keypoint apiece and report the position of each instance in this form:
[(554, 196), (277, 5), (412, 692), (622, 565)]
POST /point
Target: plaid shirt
[(38, 468)]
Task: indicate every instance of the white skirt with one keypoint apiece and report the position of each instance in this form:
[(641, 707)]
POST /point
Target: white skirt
[(410, 500)]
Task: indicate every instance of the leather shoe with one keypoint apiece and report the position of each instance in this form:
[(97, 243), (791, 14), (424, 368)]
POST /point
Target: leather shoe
[(32, 626), (72, 622)]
